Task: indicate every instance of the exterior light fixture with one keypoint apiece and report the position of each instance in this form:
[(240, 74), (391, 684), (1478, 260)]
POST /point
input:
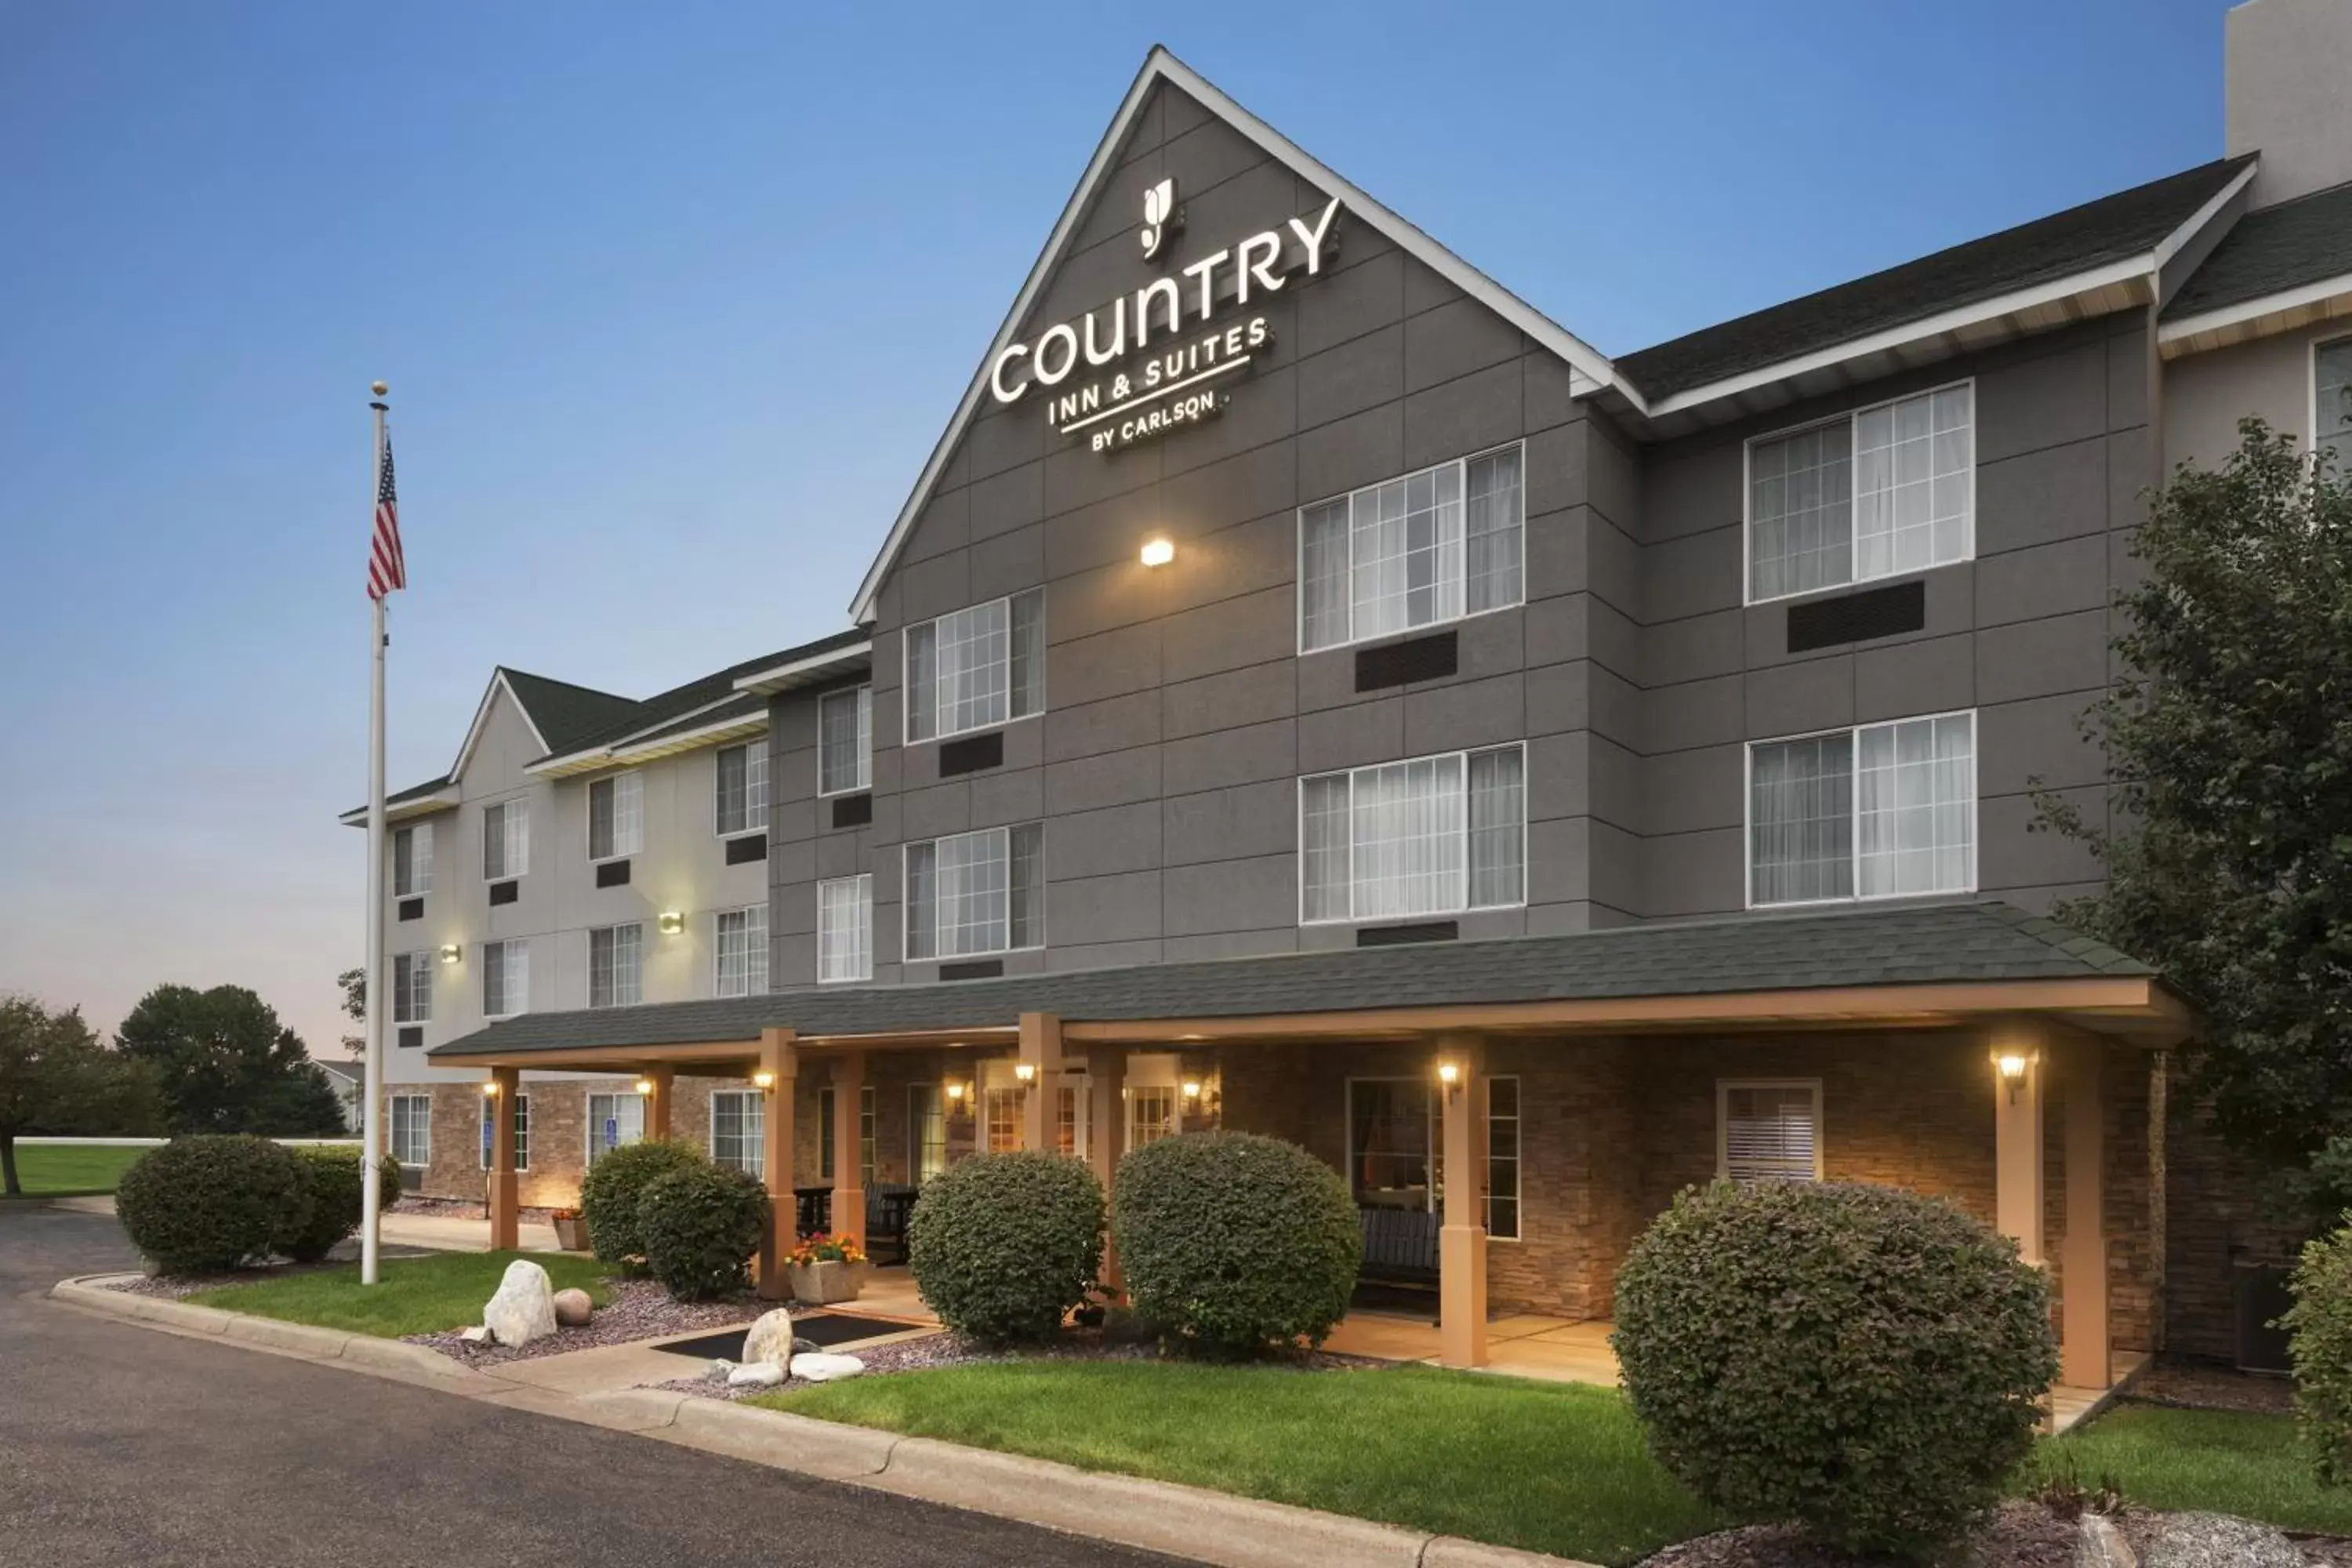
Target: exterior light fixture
[(763, 1079), (2011, 1067), (1159, 552), (489, 1089), (1191, 1088), (644, 1085), (955, 1091), (672, 923), (1449, 1074), (451, 952), (1025, 1071)]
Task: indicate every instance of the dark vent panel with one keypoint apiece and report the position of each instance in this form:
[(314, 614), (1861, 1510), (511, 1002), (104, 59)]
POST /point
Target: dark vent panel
[(505, 892), (972, 753), (973, 969), (411, 908), (853, 811), (1858, 617), (613, 874), (1419, 930), (1398, 663), (750, 847), (411, 1036)]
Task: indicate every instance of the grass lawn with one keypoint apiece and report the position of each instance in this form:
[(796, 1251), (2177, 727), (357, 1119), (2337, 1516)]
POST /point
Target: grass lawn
[(1556, 1468), (51, 1170), (415, 1295), (2225, 1460)]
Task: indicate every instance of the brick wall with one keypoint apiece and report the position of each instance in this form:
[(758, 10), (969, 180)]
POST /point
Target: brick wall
[(2217, 1221)]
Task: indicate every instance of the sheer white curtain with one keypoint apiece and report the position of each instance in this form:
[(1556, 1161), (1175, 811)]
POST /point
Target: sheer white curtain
[(973, 653), (1914, 482), (1491, 532), (1801, 512), (1916, 806), (1323, 841), (964, 887), (844, 929), (1498, 827), (1800, 820), (1409, 838), (1323, 575)]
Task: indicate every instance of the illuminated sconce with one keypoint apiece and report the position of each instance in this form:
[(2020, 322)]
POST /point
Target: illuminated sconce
[(644, 1085), (2011, 1067), (763, 1079), (1449, 1073), (672, 923), (1159, 552), (1025, 1071), (489, 1089), (1191, 1088), (956, 1100), (451, 952)]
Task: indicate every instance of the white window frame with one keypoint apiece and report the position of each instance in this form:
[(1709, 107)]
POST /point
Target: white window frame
[(905, 688), (1161, 1072), (1853, 837), (403, 1008), (512, 1011), (755, 1164), (865, 879), (523, 1129), (1850, 418), (516, 861), (2311, 398), (588, 825), (1519, 1118), (865, 694), (1723, 1088), (1298, 553), (421, 1124), (1527, 856), (616, 927), (907, 903), (718, 956), (591, 1143), (417, 885), (755, 789)]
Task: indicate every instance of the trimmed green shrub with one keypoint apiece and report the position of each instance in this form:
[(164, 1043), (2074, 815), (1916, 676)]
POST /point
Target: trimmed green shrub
[(2319, 1326), (1864, 1361), (701, 1224), (1236, 1241), (202, 1204), (332, 1174), (609, 1196), (1002, 1245)]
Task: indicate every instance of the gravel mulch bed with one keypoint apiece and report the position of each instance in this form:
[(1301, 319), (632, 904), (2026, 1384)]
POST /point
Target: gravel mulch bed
[(2019, 1535), (639, 1310), (2202, 1385), (179, 1286)]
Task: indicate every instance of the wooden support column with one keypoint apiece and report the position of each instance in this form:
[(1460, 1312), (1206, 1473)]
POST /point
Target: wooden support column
[(1107, 1132), (2085, 1359), (658, 1084), (849, 1165), (780, 1066), (506, 1083), (1041, 1053), (1462, 1237), (2019, 1062)]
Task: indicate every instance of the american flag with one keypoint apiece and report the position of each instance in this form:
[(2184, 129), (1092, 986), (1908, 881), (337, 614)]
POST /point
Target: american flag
[(387, 569)]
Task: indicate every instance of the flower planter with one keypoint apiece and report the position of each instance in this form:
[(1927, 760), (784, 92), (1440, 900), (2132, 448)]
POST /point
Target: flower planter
[(822, 1284), (572, 1235)]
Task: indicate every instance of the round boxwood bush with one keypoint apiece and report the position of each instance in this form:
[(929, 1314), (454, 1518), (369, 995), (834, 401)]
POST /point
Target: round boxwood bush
[(198, 1205), (332, 1172), (701, 1224), (1234, 1241), (1002, 1245), (1864, 1361), (2319, 1346), (609, 1196)]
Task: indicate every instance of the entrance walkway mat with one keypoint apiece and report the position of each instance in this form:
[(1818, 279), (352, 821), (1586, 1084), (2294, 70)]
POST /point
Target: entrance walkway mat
[(827, 1328)]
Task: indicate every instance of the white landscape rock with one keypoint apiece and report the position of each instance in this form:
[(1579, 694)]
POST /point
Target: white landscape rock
[(476, 1335), (769, 1340), (821, 1366), (523, 1308), (2099, 1544), (756, 1374)]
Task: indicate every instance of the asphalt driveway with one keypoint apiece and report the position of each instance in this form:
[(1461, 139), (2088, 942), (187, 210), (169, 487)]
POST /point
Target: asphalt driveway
[(120, 1444)]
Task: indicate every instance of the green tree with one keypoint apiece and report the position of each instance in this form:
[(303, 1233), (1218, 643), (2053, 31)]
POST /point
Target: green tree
[(226, 1064), (2228, 848), (353, 984), (56, 1077)]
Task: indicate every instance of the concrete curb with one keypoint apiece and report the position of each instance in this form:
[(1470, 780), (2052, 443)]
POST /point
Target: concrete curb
[(394, 1357)]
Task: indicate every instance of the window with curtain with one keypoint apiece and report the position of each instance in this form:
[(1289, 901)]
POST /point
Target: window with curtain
[(615, 1121), (411, 1129), (1151, 1113), (1880, 811), (616, 816), (506, 978), (411, 860), (1391, 1141), (742, 947), (927, 1131), (2332, 402), (1877, 493), (1431, 836), (844, 929), (1415, 552), (742, 804), (614, 953), (976, 668), (506, 840), (412, 987), (1503, 1157), (737, 1129), (1001, 1113), (522, 1127), (976, 893), (844, 742), (1768, 1131)]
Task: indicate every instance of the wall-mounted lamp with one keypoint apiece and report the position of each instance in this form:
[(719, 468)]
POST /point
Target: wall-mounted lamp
[(956, 1095), (1191, 1088), (451, 952), (644, 1085), (671, 921), (2011, 1068), (763, 1079), (1025, 1071), (1159, 552), (491, 1088), (1450, 1073)]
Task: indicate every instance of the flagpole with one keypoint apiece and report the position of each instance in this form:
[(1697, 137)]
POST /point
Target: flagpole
[(371, 1122)]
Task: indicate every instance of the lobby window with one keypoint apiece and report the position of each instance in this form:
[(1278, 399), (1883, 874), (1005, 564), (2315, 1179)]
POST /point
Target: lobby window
[(615, 961), (976, 893), (844, 742), (522, 1127), (506, 840), (1001, 1108), (1883, 811), (1768, 1130), (742, 805), (1502, 1158), (1886, 490), (738, 1131), (616, 816), (2331, 402), (412, 987), (1391, 1140), (976, 668), (506, 978), (844, 929), (411, 1129), (615, 1121), (742, 947), (1431, 547), (1153, 1089), (826, 1143), (1431, 836), (927, 1131), (411, 860)]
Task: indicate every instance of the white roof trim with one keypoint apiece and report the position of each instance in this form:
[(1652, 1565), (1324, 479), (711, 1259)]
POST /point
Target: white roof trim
[(1589, 369), (2248, 311), (438, 799), (751, 723), (778, 677), (482, 717), (2178, 240)]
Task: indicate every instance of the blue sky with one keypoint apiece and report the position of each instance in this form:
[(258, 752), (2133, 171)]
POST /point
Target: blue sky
[(675, 300)]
